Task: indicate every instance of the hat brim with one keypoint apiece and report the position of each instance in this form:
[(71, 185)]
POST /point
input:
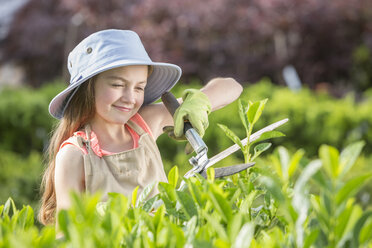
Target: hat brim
[(163, 77)]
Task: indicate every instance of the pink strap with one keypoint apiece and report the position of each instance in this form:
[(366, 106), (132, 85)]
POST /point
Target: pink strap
[(94, 142)]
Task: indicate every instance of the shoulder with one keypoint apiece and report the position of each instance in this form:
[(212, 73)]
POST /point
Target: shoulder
[(69, 174), (69, 152), (68, 159)]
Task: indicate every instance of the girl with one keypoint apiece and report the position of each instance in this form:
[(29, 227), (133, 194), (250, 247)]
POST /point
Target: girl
[(105, 140)]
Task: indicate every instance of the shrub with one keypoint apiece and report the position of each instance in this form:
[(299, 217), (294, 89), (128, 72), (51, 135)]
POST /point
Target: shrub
[(24, 119), (20, 177), (286, 203)]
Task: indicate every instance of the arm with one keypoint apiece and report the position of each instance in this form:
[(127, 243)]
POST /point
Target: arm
[(220, 92), (69, 176)]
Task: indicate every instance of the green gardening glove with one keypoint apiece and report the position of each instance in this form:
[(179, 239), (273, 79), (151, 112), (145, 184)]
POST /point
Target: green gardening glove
[(195, 108)]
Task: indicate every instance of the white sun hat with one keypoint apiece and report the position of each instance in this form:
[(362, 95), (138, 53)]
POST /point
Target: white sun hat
[(108, 49)]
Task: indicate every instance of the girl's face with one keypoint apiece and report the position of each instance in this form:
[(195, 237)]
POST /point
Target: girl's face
[(119, 93)]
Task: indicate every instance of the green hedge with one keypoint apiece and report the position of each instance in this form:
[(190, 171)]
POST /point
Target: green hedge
[(315, 119), (20, 177), (24, 119), (287, 202)]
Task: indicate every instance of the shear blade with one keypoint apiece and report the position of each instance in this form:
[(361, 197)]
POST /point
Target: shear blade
[(228, 171)]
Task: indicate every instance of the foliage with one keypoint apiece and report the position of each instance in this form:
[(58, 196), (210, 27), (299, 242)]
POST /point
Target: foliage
[(206, 38), (25, 123), (314, 119), (20, 177), (289, 202), (249, 114)]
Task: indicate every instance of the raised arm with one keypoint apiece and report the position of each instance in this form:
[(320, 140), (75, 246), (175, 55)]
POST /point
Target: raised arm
[(220, 92)]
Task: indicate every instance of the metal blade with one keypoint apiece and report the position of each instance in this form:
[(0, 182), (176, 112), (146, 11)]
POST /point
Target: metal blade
[(235, 147), (229, 170)]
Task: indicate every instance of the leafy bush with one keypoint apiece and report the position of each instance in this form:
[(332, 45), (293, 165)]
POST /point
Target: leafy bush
[(20, 177), (24, 119), (289, 202), (207, 38), (314, 119)]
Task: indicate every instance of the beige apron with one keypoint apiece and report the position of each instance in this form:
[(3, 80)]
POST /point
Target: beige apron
[(123, 172)]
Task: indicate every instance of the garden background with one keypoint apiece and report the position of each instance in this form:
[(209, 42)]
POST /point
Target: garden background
[(327, 97)]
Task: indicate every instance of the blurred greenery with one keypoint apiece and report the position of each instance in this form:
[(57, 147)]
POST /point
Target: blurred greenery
[(288, 201), (314, 119)]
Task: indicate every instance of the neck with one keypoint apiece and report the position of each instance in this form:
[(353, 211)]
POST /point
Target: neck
[(109, 134)]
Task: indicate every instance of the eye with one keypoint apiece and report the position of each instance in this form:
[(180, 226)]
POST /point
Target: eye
[(140, 88), (116, 85)]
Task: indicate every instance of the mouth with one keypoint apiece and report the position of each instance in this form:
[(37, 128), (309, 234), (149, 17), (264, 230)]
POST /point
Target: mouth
[(122, 109)]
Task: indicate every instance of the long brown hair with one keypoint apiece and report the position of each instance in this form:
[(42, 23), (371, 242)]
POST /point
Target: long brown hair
[(78, 112)]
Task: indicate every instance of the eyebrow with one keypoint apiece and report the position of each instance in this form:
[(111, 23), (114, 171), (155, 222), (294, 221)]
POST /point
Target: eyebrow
[(124, 80)]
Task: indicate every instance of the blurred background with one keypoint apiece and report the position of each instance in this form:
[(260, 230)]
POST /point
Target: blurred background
[(310, 58)]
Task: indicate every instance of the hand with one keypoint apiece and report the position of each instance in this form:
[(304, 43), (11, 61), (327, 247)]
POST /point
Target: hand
[(195, 108)]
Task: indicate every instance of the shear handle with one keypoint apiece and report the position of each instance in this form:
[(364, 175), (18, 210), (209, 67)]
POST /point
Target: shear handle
[(172, 104)]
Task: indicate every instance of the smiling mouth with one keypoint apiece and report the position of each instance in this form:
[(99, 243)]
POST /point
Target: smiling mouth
[(122, 109)]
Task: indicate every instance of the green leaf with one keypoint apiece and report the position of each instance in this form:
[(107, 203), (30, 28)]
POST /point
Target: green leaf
[(230, 134), (145, 193), (168, 189), (358, 227), (346, 221), (134, 196), (187, 204), (365, 233), (311, 238), (284, 162), (234, 226), (9, 204), (243, 109), (210, 174), (216, 226), (159, 216), (173, 176), (168, 195), (268, 135), (26, 217), (260, 148), (293, 165), (273, 187), (195, 192), (191, 230), (252, 110), (349, 155), (277, 166), (63, 223), (245, 236), (220, 202), (255, 111), (300, 200), (101, 208), (351, 187), (149, 204), (330, 158)]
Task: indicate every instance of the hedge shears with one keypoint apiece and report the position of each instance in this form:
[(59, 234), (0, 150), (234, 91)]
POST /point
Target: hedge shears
[(200, 161)]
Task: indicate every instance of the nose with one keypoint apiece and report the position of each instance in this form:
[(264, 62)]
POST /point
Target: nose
[(128, 95)]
